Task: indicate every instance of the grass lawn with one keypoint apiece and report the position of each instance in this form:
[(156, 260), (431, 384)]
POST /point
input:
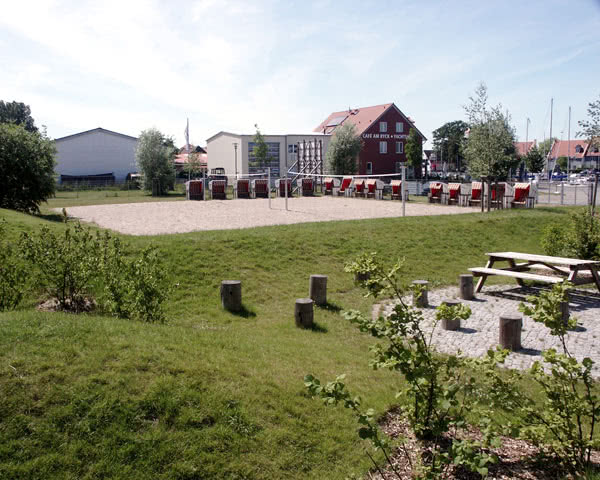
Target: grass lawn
[(211, 394)]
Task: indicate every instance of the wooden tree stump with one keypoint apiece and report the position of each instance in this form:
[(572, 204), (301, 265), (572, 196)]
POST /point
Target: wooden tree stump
[(453, 323), (318, 289), (510, 331), (231, 295), (564, 310), (304, 313), (420, 300), (466, 286)]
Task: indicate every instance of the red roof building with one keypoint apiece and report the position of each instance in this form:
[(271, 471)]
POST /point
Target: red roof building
[(384, 130), (524, 147)]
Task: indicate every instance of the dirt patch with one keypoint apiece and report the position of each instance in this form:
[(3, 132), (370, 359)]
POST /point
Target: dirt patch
[(159, 218), (85, 305)]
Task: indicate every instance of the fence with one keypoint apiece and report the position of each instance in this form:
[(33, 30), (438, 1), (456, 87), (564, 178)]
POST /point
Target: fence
[(564, 193)]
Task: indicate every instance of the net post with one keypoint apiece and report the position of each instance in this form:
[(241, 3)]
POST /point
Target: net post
[(404, 190), (269, 186), (286, 188)]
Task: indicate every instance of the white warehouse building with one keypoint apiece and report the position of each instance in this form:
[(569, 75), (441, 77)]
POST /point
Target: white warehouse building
[(234, 152), (95, 156)]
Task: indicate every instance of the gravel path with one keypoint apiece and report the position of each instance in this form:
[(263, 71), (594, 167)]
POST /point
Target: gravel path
[(480, 332), (156, 218)]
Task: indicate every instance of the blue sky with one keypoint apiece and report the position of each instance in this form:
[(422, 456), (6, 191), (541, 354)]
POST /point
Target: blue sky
[(227, 64)]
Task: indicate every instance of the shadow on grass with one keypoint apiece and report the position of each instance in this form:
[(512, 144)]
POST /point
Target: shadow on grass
[(244, 313), (330, 307), (51, 217), (317, 328)]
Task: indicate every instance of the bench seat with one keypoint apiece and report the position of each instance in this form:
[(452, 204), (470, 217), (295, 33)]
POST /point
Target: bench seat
[(482, 271)]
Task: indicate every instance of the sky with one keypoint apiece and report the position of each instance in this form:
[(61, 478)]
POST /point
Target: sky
[(227, 65)]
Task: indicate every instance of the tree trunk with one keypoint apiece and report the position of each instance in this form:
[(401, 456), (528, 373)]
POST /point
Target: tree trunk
[(304, 313), (466, 287), (451, 323), (231, 295), (510, 331), (420, 300), (318, 289)]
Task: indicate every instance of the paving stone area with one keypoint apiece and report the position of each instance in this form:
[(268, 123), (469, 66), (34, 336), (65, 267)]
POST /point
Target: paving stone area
[(481, 331)]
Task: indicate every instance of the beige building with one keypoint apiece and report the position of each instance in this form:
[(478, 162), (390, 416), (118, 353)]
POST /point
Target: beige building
[(234, 152)]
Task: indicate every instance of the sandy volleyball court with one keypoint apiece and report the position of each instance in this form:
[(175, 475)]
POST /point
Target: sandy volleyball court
[(157, 218)]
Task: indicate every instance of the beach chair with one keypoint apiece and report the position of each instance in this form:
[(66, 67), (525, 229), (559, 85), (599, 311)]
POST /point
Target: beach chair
[(453, 194), (260, 188), (358, 187), (218, 189), (330, 186), (194, 190), (436, 192), (374, 189), (498, 194), (523, 196), (397, 190), (242, 188), (308, 187), (476, 193), (281, 187), (345, 187)]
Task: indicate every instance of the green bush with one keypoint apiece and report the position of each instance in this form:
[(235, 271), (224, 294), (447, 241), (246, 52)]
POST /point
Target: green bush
[(580, 238), (66, 263), (14, 273)]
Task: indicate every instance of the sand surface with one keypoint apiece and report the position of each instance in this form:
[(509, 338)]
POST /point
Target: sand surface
[(157, 218)]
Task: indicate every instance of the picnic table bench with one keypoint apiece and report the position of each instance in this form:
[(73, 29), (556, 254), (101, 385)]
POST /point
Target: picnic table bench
[(562, 269)]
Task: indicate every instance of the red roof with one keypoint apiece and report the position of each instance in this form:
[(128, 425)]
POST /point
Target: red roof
[(182, 159), (524, 147), (362, 118), (560, 148)]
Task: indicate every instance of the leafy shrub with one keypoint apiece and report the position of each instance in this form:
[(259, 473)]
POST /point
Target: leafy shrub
[(67, 263), (579, 239), (565, 424), (26, 168), (439, 391), (133, 288), (14, 273)]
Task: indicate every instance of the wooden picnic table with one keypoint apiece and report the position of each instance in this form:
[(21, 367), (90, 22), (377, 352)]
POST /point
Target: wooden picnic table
[(562, 269)]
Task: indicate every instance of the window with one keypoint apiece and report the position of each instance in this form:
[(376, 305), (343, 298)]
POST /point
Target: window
[(382, 147), (369, 168), (399, 147), (272, 159), (399, 127), (382, 127)]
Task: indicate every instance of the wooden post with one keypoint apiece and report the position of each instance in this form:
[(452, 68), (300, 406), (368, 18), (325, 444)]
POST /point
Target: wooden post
[(304, 313), (466, 286), (421, 300), (510, 331), (318, 289), (564, 310), (453, 323), (231, 295)]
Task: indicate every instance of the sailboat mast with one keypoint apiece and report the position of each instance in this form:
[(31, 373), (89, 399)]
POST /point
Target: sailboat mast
[(569, 145)]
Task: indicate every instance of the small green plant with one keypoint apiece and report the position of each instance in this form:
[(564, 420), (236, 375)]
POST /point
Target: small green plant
[(438, 391), (578, 239), (67, 263), (14, 273), (565, 424), (451, 312)]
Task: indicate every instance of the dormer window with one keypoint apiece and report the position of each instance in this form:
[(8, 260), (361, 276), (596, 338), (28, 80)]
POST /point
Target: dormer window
[(578, 148)]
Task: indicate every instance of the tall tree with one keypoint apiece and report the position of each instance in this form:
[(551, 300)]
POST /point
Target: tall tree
[(534, 160), (590, 128), (414, 151), (17, 113), (261, 149), (26, 168), (490, 149), (449, 141), (343, 150), (154, 157)]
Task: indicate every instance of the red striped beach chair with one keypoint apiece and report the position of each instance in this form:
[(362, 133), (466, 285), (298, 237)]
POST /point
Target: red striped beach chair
[(260, 188), (345, 187), (330, 186), (397, 190), (194, 190), (358, 188), (217, 189), (476, 193), (522, 196), (374, 189), (436, 192), (308, 187), (281, 187), (242, 188)]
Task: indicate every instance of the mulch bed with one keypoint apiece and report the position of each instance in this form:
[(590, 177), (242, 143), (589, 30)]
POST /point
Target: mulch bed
[(517, 459)]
